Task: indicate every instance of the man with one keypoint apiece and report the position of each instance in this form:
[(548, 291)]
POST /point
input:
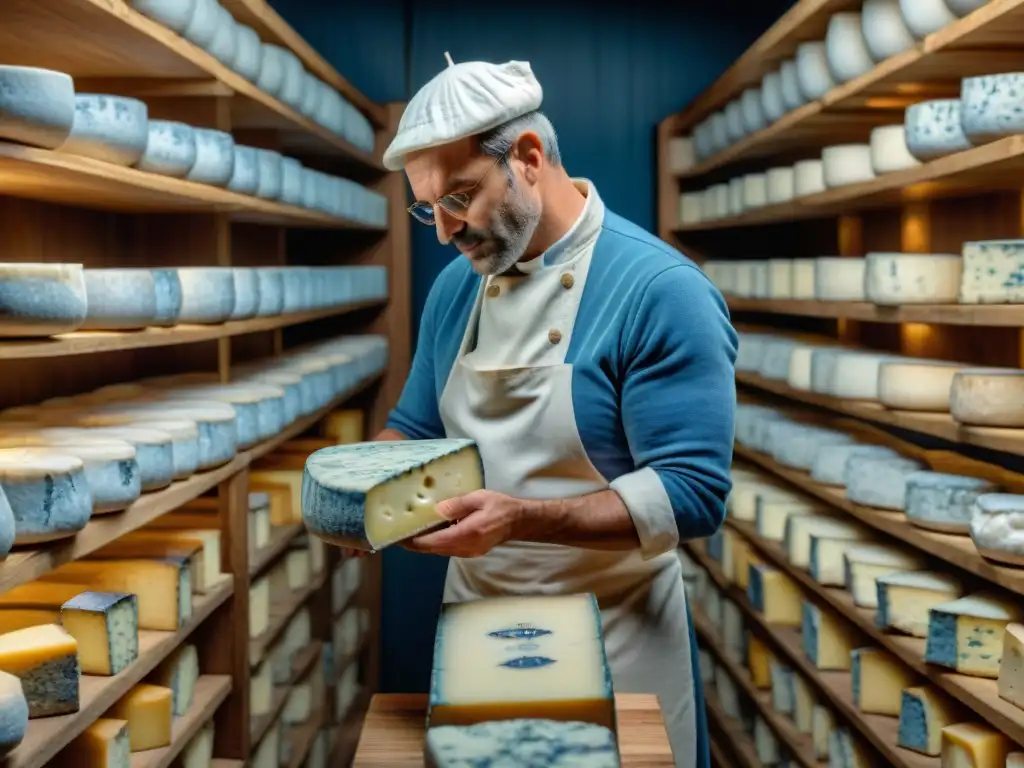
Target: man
[(591, 363)]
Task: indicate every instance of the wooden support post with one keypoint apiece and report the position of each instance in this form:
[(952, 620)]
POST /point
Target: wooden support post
[(851, 243), (668, 186)]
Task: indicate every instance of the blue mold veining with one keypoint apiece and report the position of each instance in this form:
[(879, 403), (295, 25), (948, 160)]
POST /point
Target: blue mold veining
[(519, 633), (527, 662)]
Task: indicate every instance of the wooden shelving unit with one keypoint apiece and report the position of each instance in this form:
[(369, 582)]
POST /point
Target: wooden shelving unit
[(57, 207), (934, 207)]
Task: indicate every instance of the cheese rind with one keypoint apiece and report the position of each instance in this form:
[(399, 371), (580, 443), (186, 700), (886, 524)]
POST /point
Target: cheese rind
[(892, 279), (997, 527), (104, 744), (522, 742), (801, 528), (827, 555), (782, 688), (864, 564), (967, 634), (45, 659), (759, 660), (803, 704), (924, 712), (905, 599), (878, 681), (823, 724), (991, 272), (47, 493), (106, 628), (878, 481), (774, 595), (370, 495), (13, 712), (500, 657), (829, 466), (916, 385), (149, 712), (973, 745), (992, 397), (942, 502), (179, 672), (825, 640)]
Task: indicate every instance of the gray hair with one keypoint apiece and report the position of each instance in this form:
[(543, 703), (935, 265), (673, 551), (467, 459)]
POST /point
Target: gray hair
[(497, 141)]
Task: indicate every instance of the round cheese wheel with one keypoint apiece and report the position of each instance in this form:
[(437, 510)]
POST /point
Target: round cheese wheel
[(47, 492)]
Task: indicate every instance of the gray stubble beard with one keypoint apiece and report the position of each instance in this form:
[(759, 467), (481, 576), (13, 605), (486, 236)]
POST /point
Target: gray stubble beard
[(512, 228)]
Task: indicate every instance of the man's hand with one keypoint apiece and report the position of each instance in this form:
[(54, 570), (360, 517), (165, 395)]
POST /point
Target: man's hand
[(481, 520)]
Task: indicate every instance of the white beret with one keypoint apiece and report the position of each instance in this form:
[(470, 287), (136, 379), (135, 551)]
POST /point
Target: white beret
[(463, 100)]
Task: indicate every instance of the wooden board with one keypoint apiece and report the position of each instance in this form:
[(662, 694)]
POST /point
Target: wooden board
[(393, 732), (991, 315)]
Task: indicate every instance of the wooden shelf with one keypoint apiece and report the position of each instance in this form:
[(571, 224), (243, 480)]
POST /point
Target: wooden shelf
[(210, 692), (983, 169), (301, 737), (56, 177), (741, 744), (281, 536), (25, 565), (88, 342), (931, 69), (115, 42), (350, 729), (799, 745), (939, 425), (878, 730), (958, 551), (280, 614), (988, 315), (979, 694), (47, 736), (301, 665)]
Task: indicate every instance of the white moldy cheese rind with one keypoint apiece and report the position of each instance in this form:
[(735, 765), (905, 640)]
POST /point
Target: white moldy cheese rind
[(41, 299), (829, 467), (47, 492), (997, 527), (988, 397), (802, 279), (879, 481), (370, 495), (892, 279), (796, 445), (942, 502), (905, 599), (916, 385), (827, 556), (993, 272), (775, 364), (800, 529), (522, 742)]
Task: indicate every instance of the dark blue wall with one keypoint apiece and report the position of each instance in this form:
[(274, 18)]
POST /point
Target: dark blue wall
[(610, 72)]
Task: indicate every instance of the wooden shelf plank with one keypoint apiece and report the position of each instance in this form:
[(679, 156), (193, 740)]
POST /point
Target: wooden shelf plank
[(210, 692), (941, 314), (281, 537), (280, 614), (798, 744), (931, 69), (113, 40), (939, 425), (878, 730), (987, 168), (958, 551), (977, 693), (88, 342), (47, 736), (56, 177), (25, 565)]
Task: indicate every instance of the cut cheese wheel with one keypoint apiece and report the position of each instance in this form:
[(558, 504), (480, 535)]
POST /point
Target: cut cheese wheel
[(826, 638), (997, 527), (906, 599), (991, 273), (892, 279), (370, 495), (878, 681), (992, 397), (839, 278), (801, 528), (966, 634), (942, 502), (924, 712), (916, 385), (45, 659), (41, 299), (48, 494)]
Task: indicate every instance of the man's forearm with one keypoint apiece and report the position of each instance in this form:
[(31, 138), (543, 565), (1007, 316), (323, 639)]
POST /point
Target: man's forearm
[(595, 521), (387, 435)]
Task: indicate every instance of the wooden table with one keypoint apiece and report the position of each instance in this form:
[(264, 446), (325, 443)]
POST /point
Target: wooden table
[(393, 735)]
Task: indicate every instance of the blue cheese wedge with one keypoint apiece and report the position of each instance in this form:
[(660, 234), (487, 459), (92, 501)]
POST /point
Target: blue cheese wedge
[(865, 563), (45, 659), (13, 712), (905, 599), (924, 712), (878, 681), (967, 634), (551, 743), (106, 627), (513, 656), (827, 640), (370, 495)]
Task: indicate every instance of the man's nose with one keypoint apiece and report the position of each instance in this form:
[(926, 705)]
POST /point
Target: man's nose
[(446, 224)]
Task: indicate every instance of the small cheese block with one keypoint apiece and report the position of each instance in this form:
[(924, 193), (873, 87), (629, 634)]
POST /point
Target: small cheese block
[(772, 514), (966, 634), (198, 753), (179, 672), (1011, 667), (149, 710), (13, 712), (12, 619), (829, 467), (106, 628), (728, 694), (743, 559), (878, 681), (827, 553), (782, 688), (974, 745), (343, 427), (766, 746), (909, 384), (298, 567), (800, 528), (45, 659), (259, 607), (347, 633), (299, 706), (163, 587), (259, 526), (759, 660), (803, 704), (826, 638), (988, 397), (202, 546), (824, 722), (941, 502), (878, 481), (47, 493), (997, 527), (284, 510), (733, 632), (370, 495), (906, 599), (774, 595), (893, 279), (742, 501), (104, 744), (846, 751), (552, 743), (261, 689), (481, 668), (924, 712), (865, 563)]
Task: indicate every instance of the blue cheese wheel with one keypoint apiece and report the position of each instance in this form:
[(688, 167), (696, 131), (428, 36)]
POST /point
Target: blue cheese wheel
[(207, 294), (943, 502), (499, 743), (167, 289), (271, 289), (259, 407), (290, 383), (120, 299), (41, 299), (370, 495), (47, 492), (153, 450), (184, 443), (7, 529)]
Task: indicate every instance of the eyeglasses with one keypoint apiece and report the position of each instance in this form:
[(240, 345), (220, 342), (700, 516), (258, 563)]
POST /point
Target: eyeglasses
[(455, 203)]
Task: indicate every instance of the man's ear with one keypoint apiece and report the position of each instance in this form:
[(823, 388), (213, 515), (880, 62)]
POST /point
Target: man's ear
[(529, 150)]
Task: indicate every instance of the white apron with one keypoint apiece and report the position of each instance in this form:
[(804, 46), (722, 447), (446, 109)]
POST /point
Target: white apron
[(513, 396)]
